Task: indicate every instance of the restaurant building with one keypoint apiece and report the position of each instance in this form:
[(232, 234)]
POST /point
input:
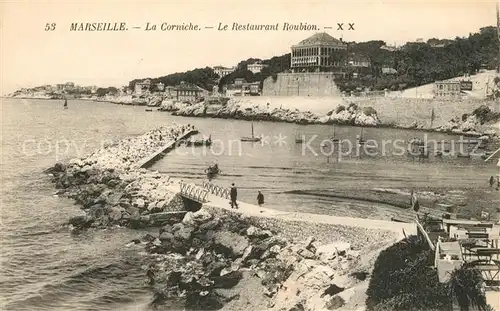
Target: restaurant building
[(316, 53)]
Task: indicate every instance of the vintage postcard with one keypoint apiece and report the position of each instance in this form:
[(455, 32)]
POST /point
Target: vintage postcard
[(250, 155)]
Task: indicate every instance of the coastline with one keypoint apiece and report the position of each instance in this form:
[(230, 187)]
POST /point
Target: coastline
[(219, 246), (243, 109)]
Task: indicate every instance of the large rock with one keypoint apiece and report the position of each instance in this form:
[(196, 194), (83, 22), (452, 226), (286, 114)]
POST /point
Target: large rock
[(202, 216), (330, 251), (189, 219), (115, 213), (196, 218), (184, 233), (81, 222), (231, 241), (258, 233)]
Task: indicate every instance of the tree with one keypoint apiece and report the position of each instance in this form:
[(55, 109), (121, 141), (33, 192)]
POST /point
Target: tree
[(466, 288), (101, 92), (403, 279)]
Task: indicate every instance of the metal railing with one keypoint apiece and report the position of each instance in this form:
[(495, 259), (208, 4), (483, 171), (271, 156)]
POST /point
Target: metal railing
[(217, 190), (194, 192)]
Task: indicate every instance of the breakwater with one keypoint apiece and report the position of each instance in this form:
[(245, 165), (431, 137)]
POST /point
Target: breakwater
[(202, 255), (111, 186)]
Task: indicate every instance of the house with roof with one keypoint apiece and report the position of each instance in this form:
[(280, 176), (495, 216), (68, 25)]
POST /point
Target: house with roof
[(222, 71), (256, 67), (142, 87), (316, 53), (188, 92)]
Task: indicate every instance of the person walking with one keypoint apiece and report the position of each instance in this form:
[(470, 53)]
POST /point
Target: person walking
[(492, 181), (260, 198), (234, 195)]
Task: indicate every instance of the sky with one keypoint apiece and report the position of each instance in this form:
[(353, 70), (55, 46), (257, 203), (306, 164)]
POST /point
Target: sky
[(31, 56)]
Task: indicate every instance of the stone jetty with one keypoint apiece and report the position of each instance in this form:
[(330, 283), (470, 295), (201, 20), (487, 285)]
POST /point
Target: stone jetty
[(112, 187), (211, 256)]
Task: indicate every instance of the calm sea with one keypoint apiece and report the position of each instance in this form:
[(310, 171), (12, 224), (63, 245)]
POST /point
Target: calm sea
[(44, 267)]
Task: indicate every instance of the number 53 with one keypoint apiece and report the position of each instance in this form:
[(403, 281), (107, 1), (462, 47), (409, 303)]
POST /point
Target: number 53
[(50, 27)]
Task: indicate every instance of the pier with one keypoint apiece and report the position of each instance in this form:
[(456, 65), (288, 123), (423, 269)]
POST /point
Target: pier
[(160, 153)]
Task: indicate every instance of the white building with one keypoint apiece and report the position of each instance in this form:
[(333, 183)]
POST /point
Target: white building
[(256, 67), (142, 87), (160, 86), (223, 71), (316, 53)]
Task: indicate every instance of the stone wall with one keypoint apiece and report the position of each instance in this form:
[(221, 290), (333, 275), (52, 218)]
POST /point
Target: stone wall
[(300, 230), (410, 111), (301, 84)]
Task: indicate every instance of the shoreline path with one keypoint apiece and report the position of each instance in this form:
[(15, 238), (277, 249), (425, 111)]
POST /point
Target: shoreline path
[(248, 209)]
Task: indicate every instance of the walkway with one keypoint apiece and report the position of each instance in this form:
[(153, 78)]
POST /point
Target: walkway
[(254, 210)]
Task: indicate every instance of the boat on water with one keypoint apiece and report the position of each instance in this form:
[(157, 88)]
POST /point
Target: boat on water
[(148, 109), (359, 138), (199, 143), (212, 170), (416, 141), (298, 138), (333, 138), (251, 139), (486, 155)]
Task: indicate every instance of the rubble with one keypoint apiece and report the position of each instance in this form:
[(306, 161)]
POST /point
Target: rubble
[(215, 251)]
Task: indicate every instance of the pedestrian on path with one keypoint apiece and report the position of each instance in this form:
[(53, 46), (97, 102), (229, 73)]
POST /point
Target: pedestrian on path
[(260, 198), (492, 181), (234, 195)]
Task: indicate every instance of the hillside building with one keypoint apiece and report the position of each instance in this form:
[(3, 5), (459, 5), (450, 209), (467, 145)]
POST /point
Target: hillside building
[(223, 71), (256, 67), (142, 87), (452, 88), (187, 92), (316, 53)]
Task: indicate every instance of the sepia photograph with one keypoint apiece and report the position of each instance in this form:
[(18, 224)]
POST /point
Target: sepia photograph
[(250, 155)]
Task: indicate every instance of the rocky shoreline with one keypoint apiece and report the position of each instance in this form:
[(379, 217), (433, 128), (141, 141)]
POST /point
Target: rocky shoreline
[(204, 256), (343, 114), (110, 187), (245, 110), (209, 257)]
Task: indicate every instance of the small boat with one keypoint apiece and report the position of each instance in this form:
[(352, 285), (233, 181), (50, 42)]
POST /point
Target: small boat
[(359, 138), (212, 170), (298, 139), (486, 155), (198, 143), (416, 141), (395, 219), (333, 138), (148, 109), (251, 139)]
